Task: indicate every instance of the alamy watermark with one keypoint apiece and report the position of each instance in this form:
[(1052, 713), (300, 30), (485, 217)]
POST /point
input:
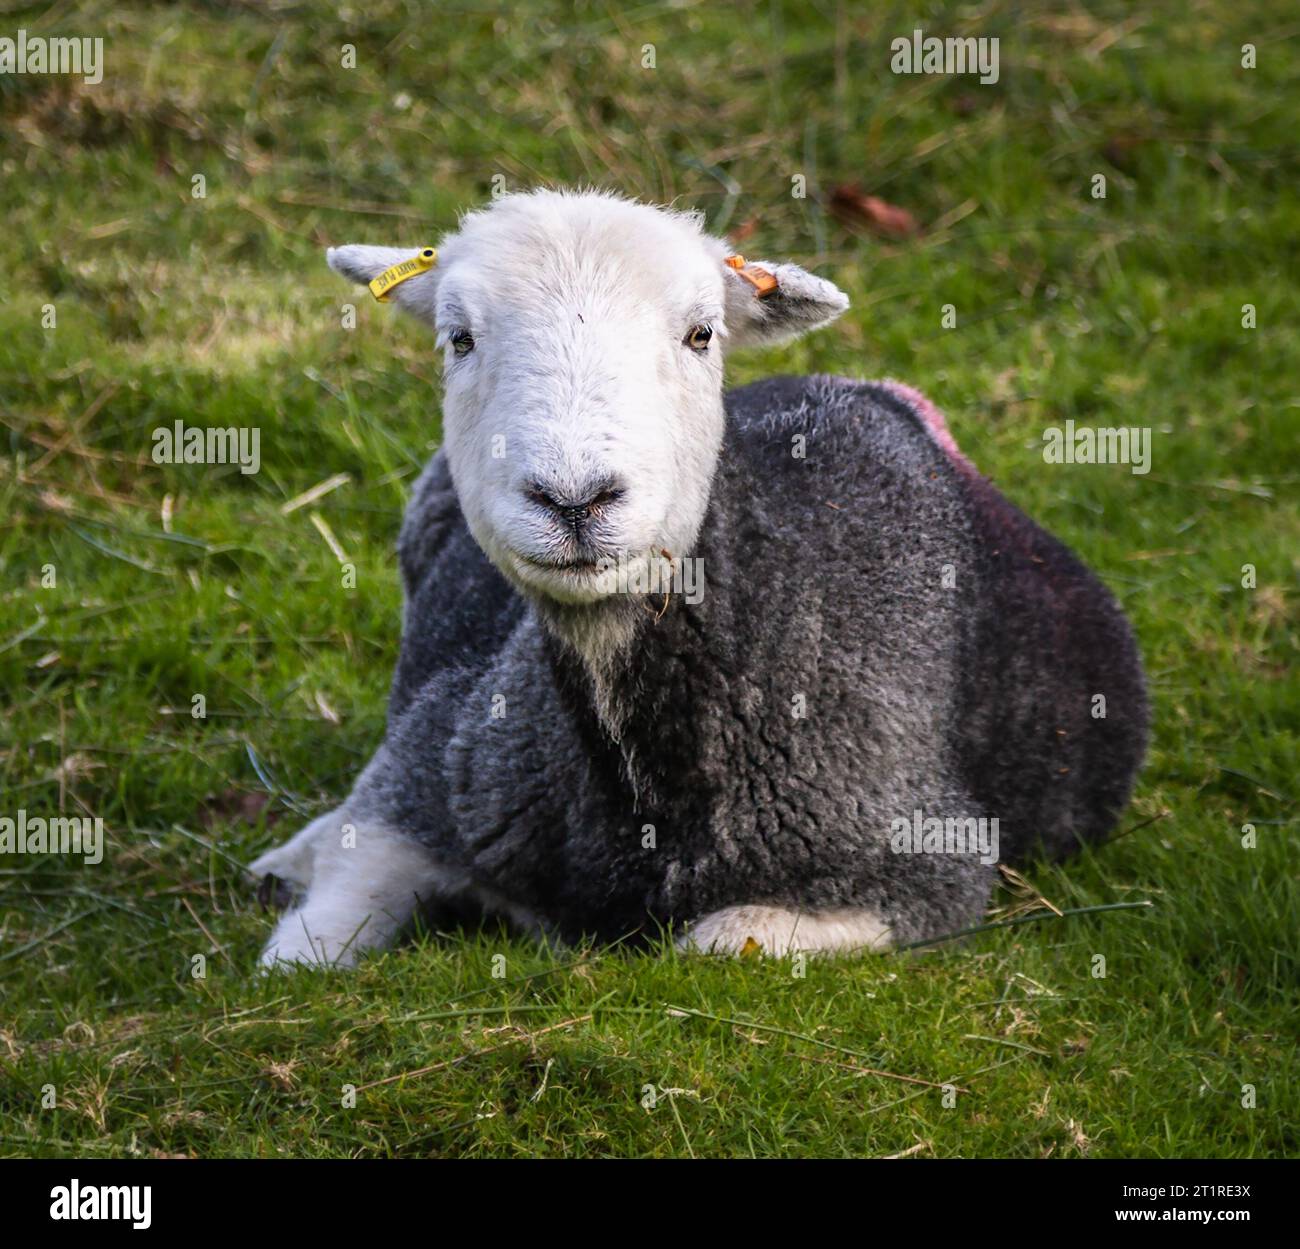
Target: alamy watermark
[(662, 574), (59, 834), (922, 54), (197, 444), (35, 54), (1086, 444), (922, 834), (122, 1203)]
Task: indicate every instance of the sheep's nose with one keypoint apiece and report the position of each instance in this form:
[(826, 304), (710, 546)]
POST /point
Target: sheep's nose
[(574, 508)]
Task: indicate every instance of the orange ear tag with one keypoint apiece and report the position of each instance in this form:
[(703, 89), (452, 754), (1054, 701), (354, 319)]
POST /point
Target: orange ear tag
[(763, 282)]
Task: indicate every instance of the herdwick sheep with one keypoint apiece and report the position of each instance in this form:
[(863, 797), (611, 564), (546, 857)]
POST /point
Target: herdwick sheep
[(880, 651)]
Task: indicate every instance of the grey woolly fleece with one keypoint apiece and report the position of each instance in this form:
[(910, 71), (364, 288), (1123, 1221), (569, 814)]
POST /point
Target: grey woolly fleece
[(881, 634)]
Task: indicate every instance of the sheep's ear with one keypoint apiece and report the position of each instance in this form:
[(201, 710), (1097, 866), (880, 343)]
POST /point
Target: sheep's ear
[(363, 263), (772, 303)]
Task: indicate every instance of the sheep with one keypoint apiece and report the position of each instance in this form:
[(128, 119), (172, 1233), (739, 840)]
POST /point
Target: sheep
[(883, 662)]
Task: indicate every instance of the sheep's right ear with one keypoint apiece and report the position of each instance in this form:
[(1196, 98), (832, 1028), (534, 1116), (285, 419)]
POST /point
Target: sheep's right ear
[(363, 263), (773, 303)]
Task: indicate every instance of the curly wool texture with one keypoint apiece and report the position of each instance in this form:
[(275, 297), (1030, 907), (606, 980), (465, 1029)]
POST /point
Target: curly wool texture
[(882, 633)]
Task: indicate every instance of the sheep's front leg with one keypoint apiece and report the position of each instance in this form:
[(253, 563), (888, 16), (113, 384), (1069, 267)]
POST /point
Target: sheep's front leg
[(778, 931), (360, 883)]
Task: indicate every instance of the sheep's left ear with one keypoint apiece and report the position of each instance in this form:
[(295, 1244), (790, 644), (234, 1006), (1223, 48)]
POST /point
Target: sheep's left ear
[(772, 303), (363, 263)]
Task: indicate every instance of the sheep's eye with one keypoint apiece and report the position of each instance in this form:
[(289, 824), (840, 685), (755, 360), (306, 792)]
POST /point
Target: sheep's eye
[(462, 342), (698, 338)]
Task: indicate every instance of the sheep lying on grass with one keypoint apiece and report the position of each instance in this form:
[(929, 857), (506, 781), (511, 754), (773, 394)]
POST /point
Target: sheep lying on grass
[(874, 652)]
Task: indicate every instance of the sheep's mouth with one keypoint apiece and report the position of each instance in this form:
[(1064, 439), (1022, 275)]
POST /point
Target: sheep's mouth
[(575, 580), (585, 566)]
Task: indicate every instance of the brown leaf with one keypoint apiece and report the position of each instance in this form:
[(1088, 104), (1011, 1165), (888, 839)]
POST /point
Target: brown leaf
[(1121, 151), (854, 208), (744, 230), (235, 806)]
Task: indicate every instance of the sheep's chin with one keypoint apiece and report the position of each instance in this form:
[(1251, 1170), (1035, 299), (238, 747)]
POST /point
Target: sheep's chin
[(628, 576)]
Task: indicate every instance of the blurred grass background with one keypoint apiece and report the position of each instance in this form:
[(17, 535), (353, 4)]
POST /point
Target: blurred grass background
[(184, 580)]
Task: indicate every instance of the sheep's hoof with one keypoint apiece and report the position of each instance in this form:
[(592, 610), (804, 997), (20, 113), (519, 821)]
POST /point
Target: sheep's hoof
[(749, 931), (274, 894)]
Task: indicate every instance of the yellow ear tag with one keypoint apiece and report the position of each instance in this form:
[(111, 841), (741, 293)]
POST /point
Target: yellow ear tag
[(399, 273)]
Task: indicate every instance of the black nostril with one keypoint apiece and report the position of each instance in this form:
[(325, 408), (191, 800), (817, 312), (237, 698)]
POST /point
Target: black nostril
[(542, 499), (570, 513), (574, 512)]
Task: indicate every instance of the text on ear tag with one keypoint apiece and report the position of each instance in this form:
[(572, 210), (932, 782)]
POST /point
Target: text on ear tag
[(396, 274)]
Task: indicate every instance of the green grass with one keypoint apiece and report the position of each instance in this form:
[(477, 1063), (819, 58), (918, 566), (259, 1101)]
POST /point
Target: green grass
[(219, 311)]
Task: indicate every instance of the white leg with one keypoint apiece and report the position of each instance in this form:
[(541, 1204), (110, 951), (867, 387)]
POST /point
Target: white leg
[(779, 931), (364, 884)]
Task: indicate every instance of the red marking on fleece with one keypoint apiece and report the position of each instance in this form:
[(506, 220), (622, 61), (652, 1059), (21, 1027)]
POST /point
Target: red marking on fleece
[(1014, 530), (932, 418)]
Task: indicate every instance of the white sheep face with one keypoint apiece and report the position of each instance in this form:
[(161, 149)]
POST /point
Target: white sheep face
[(583, 337)]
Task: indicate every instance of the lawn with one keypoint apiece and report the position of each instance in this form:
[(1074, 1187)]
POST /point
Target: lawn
[(131, 1020)]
